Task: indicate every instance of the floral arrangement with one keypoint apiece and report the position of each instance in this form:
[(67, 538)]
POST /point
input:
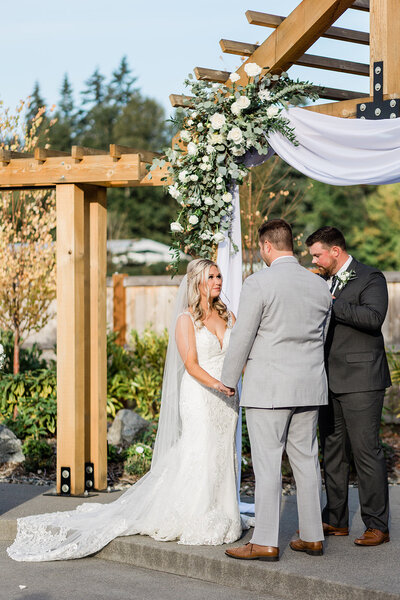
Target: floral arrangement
[(222, 123), (344, 278)]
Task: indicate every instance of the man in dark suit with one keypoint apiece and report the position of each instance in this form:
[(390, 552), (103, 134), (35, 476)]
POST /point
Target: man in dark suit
[(358, 374)]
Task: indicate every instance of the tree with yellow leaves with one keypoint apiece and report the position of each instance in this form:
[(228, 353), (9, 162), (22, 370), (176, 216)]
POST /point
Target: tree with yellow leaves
[(27, 249)]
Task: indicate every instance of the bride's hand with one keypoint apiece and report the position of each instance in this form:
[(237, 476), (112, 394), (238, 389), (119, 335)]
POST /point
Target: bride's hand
[(220, 387)]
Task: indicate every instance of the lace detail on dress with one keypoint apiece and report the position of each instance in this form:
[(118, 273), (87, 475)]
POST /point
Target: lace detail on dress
[(190, 495)]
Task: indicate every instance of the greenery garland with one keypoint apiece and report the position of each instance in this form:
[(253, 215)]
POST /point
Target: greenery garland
[(221, 125)]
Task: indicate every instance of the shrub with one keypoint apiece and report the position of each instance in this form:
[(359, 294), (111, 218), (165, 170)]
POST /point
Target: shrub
[(34, 395), (138, 459), (38, 455), (30, 359)]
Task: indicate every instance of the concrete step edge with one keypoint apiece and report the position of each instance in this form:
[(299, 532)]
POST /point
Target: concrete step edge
[(247, 575)]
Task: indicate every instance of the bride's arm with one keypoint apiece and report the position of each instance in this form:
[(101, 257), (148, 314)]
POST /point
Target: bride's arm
[(186, 342)]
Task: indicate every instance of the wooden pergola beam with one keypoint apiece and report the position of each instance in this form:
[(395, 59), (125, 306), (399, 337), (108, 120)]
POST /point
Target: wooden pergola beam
[(346, 109), (293, 37), (181, 101), (333, 33)]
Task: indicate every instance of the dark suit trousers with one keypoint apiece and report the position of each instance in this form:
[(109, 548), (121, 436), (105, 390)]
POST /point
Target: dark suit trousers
[(350, 423)]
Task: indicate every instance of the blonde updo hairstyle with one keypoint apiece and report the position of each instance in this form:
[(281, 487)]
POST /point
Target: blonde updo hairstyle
[(197, 273)]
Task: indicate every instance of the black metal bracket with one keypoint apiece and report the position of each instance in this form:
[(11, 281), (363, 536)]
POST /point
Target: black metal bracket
[(65, 488), (379, 108), (89, 476)]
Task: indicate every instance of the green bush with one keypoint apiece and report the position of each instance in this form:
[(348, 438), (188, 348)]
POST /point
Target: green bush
[(138, 459), (33, 396), (39, 455), (30, 359)]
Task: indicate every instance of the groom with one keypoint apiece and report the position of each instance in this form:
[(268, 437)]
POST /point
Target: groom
[(282, 319)]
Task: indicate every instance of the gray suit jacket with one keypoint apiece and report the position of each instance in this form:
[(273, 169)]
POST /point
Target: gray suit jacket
[(280, 330)]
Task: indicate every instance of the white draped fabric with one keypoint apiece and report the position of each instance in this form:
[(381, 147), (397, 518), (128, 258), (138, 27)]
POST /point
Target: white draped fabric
[(341, 151), (332, 150)]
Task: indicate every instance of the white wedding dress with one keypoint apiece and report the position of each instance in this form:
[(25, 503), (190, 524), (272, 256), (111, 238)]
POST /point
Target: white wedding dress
[(189, 495)]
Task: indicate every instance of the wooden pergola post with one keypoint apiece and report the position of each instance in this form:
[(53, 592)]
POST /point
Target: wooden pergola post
[(384, 43), (70, 337)]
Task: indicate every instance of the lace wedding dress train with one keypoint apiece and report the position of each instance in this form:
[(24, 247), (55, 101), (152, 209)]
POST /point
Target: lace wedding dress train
[(189, 495)]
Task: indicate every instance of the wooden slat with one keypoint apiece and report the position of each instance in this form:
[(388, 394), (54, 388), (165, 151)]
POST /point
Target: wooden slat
[(119, 307), (346, 109), (42, 154), (337, 94), (292, 38), (385, 35), (99, 170), (211, 74), (79, 152), (333, 64), (96, 197), (239, 48), (7, 155), (117, 151), (334, 33), (180, 101), (361, 5), (70, 334)]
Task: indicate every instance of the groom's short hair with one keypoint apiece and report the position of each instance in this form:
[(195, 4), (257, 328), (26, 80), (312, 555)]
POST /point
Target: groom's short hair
[(328, 236), (278, 232)]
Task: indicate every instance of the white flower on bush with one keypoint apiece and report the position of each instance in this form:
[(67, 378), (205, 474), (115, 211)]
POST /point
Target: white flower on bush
[(243, 102), (183, 175), (252, 69), (205, 158), (264, 95), (200, 127), (235, 109), (217, 120), (192, 149), (239, 151), (190, 122), (216, 138), (185, 135), (208, 201), (176, 227), (139, 449), (194, 177), (193, 219), (2, 356), (235, 135), (272, 111), (203, 166), (219, 180), (174, 192), (210, 149), (227, 197), (218, 237), (234, 77)]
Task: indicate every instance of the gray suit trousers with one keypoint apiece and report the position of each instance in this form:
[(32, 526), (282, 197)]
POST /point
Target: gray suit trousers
[(271, 431)]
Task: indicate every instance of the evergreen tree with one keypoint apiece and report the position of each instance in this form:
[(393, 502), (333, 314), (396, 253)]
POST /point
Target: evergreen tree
[(37, 120), (120, 89), (63, 132)]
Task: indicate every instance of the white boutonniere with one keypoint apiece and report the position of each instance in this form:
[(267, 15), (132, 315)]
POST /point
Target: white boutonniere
[(344, 278)]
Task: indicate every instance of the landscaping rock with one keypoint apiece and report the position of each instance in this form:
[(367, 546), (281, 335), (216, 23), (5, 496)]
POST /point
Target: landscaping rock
[(10, 447), (126, 427)]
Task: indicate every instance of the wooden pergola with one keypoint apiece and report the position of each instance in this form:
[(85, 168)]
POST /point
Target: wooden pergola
[(81, 179)]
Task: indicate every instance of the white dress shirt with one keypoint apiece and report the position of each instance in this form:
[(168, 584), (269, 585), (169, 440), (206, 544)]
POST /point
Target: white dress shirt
[(342, 269)]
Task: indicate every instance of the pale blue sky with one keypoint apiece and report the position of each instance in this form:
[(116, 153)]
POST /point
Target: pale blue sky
[(163, 41)]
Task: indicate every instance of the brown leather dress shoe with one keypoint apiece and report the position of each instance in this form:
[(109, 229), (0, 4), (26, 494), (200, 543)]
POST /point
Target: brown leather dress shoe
[(254, 552), (331, 530), (372, 537), (311, 548)]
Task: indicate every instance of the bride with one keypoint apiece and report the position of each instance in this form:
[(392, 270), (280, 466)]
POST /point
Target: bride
[(190, 493)]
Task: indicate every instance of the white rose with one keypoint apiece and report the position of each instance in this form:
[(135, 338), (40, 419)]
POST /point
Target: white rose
[(200, 127), (235, 135), (235, 109), (219, 180), (217, 121), (139, 450), (210, 149), (174, 192), (190, 122), (272, 111), (215, 86), (227, 197), (229, 208), (185, 135), (218, 237), (193, 219), (194, 178), (252, 69), (208, 201), (243, 102), (209, 167), (203, 167), (234, 77), (176, 227), (192, 149), (264, 95), (183, 176), (205, 158)]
